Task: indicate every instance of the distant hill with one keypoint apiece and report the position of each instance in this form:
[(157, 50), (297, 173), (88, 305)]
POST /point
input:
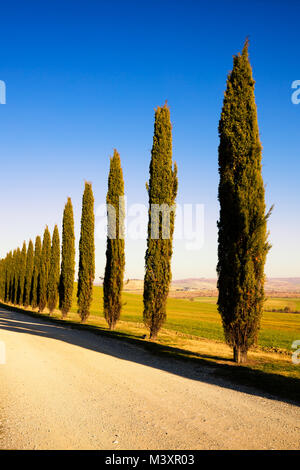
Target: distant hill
[(289, 284), (275, 286), (195, 284), (182, 284), (284, 284)]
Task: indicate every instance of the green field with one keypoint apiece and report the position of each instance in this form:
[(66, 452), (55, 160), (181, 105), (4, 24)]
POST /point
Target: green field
[(200, 318)]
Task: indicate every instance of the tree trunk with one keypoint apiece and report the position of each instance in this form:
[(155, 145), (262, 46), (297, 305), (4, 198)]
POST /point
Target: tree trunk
[(153, 335), (239, 356)]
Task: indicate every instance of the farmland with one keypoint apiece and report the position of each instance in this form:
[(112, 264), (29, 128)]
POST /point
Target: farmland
[(200, 318)]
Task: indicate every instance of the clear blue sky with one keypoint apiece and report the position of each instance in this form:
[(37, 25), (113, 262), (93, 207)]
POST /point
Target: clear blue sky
[(84, 77)]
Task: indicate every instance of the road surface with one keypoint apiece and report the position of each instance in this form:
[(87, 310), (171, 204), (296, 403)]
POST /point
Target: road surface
[(63, 388)]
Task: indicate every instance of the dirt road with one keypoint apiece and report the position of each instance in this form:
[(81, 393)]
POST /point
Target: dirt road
[(63, 388)]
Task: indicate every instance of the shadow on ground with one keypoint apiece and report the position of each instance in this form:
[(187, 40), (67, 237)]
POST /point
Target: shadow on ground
[(172, 360)]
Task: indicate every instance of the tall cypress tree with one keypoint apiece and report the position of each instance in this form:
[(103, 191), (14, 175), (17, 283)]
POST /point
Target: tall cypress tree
[(28, 274), (243, 244), (35, 287), (13, 282), (8, 286), (162, 190), (115, 254), (67, 276), (86, 273), (44, 270), (16, 275), (2, 278), (10, 277), (54, 271), (6, 277), (3, 271), (22, 272)]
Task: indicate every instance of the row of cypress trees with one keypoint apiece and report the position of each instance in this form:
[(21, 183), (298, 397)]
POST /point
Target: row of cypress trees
[(33, 277)]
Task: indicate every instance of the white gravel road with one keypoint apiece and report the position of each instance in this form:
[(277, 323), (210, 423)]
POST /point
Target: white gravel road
[(63, 388)]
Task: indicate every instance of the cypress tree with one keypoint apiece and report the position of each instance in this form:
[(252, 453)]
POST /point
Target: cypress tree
[(22, 272), (16, 274), (115, 255), (35, 287), (54, 271), (8, 280), (10, 277), (2, 278), (86, 273), (44, 270), (242, 242), (67, 276), (162, 190), (6, 277), (28, 274)]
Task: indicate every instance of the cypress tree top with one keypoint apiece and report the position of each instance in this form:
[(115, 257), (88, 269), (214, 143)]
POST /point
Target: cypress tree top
[(115, 179), (163, 179), (46, 250)]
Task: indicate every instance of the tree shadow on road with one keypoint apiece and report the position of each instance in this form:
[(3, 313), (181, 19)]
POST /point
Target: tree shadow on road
[(176, 361)]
